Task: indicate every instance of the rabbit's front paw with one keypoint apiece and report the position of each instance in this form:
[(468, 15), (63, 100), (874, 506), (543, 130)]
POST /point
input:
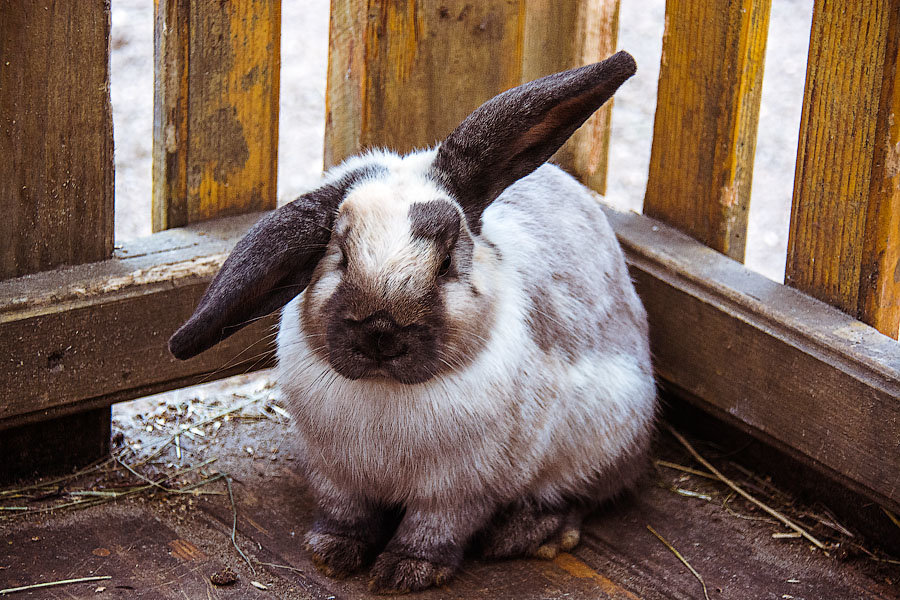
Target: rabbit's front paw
[(336, 555), (398, 573)]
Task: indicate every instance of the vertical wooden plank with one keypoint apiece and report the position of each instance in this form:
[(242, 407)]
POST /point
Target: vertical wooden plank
[(170, 113), (216, 117), (704, 135), (563, 35), (56, 143), (844, 244), (403, 74)]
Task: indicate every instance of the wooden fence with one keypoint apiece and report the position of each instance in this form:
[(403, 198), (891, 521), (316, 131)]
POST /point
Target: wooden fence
[(809, 366)]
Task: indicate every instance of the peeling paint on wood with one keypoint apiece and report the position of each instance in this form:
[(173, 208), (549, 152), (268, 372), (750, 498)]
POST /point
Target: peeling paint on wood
[(216, 119)]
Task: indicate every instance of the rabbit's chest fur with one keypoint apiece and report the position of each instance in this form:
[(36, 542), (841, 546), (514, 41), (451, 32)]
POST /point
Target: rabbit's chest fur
[(560, 392)]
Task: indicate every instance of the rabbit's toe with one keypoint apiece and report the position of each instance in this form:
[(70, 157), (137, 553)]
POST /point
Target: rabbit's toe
[(396, 573), (526, 530), (336, 555)]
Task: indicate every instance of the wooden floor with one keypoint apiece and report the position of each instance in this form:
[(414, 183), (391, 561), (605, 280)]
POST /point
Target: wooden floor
[(169, 545)]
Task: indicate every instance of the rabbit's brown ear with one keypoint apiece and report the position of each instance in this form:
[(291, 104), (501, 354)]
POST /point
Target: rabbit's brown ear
[(515, 132), (267, 268)]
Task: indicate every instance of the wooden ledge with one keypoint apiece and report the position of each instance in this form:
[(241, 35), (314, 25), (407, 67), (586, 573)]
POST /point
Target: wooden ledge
[(91, 335), (784, 366)]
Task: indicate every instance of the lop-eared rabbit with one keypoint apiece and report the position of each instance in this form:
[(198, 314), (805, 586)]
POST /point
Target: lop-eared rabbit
[(461, 346)]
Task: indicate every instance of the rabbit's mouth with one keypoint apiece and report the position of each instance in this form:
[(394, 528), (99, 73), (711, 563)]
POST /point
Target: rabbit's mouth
[(401, 369), (377, 347)]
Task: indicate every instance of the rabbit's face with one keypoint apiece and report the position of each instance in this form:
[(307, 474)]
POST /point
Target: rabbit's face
[(396, 294)]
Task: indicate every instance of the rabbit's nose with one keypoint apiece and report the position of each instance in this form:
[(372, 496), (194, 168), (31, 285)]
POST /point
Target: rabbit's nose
[(379, 338)]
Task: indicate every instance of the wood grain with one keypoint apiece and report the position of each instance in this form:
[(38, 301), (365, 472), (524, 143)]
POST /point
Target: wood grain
[(844, 244), (704, 135), (402, 75), (791, 370), (56, 171), (216, 118)]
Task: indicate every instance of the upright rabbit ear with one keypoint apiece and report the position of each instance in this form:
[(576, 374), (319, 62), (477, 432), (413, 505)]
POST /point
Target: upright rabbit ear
[(267, 268), (512, 134)]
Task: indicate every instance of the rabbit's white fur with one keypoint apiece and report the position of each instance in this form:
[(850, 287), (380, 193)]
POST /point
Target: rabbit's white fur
[(467, 360), (517, 421)]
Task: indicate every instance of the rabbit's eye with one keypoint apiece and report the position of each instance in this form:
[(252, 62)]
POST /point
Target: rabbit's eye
[(445, 266)]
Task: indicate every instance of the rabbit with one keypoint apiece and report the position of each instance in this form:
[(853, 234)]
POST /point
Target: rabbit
[(460, 344)]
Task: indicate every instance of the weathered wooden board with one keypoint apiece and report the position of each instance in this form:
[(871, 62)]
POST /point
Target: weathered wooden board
[(217, 68), (844, 244), (95, 334), (402, 75), (56, 171), (704, 134), (145, 555), (791, 369)]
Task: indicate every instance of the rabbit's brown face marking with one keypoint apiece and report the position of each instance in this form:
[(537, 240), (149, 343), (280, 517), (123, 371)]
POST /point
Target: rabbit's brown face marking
[(377, 306)]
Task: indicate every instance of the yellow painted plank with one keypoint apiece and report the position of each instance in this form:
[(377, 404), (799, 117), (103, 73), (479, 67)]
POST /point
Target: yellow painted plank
[(704, 134), (216, 128), (844, 243), (575, 567), (403, 74)]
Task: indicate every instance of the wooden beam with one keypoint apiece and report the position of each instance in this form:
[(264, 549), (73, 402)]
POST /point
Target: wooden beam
[(402, 75), (788, 368), (56, 171), (704, 134), (844, 244), (92, 335), (792, 370), (217, 69)]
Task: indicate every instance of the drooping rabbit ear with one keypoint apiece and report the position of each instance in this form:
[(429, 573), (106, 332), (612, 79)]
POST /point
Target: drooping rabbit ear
[(515, 132), (267, 268)]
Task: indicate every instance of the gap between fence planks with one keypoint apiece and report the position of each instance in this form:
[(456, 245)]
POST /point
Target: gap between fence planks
[(215, 129), (56, 170), (704, 134), (844, 245)]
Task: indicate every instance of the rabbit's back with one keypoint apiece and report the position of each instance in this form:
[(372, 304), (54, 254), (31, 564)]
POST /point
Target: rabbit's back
[(553, 236), (587, 392)]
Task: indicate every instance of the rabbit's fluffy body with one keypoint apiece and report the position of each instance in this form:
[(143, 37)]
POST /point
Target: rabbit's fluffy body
[(462, 349), (549, 394)]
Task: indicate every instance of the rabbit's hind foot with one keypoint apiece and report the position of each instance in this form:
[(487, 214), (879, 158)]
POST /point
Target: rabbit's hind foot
[(524, 529)]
